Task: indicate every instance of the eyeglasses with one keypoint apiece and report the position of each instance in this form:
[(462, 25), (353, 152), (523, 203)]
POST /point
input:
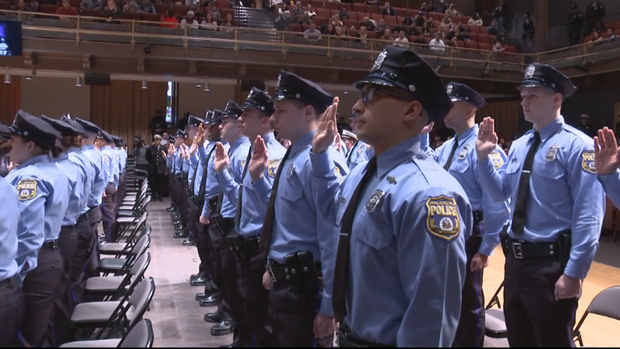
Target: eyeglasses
[(368, 94)]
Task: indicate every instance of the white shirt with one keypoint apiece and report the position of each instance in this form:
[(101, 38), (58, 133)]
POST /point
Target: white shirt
[(401, 42), (437, 45), (211, 26), (193, 25)]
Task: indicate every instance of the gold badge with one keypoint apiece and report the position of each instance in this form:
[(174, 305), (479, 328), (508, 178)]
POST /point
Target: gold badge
[(442, 218), (26, 189), (374, 200), (272, 169), (391, 179), (337, 171), (587, 161), (290, 171), (498, 160), (552, 153), (242, 163)]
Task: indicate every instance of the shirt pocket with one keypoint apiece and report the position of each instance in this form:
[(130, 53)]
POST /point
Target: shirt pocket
[(549, 169), (291, 190), (369, 229), (460, 166)]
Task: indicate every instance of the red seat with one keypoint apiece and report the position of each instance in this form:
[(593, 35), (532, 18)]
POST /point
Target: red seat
[(471, 45), (352, 16), (350, 23), (483, 38), (151, 17), (5, 5), (492, 39), (353, 32), (361, 15), (465, 19), (615, 25), (484, 46), (427, 39), (372, 9), (134, 16), (75, 3), (436, 16), (317, 4), (437, 24), (460, 44), (617, 32), (510, 49), (220, 4), (292, 27), (414, 12), (400, 11), (179, 10), (359, 8), (391, 20), (474, 36), (161, 8), (587, 38), (225, 11), (376, 16), (304, 3), (333, 12), (347, 6), (305, 27), (475, 29), (483, 30), (90, 13), (45, 8), (321, 12), (319, 21), (331, 5)]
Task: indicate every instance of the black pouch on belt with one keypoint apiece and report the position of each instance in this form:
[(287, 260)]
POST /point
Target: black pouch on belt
[(565, 244), (293, 269), (242, 249), (307, 269)]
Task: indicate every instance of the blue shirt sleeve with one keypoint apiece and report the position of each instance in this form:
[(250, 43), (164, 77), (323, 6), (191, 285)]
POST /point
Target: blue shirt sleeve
[(611, 183)]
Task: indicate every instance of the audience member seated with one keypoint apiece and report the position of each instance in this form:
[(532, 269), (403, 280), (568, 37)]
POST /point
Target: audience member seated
[(426, 29), (462, 35), (209, 23), (381, 26), (147, 7), (452, 12), (190, 21), (446, 25), (371, 2), (298, 10), (335, 20), (600, 27), (387, 10), (311, 11), (214, 12), (111, 11), (369, 24), (229, 22), (418, 20), (338, 1), (498, 47), (437, 44), (341, 33), (387, 35), (91, 4), (167, 20), (32, 6), (312, 33), (343, 14), (401, 40), (475, 20), (407, 20), (130, 7), (424, 7), (454, 42), (198, 9), (66, 10), (328, 29), (596, 38), (492, 29), (305, 20), (362, 36), (441, 6)]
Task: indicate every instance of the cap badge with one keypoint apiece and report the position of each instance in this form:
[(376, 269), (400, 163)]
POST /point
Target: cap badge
[(250, 94), (529, 72), (449, 89), (278, 82), (379, 62)]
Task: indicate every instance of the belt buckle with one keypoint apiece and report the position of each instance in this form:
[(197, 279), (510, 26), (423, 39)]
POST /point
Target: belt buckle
[(517, 250), (270, 271)]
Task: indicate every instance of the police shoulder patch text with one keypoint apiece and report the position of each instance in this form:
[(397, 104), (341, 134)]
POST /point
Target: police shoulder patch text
[(26, 189), (272, 168), (587, 161), (442, 218), (498, 160), (337, 171)]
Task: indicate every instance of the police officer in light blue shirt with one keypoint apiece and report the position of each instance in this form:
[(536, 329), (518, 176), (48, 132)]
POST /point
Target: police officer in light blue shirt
[(111, 162), (360, 152), (298, 243), (607, 158), (12, 305), (458, 157), (557, 207), (250, 214), (43, 193), (403, 219)]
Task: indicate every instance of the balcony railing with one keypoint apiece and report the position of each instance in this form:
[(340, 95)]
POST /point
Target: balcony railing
[(138, 32)]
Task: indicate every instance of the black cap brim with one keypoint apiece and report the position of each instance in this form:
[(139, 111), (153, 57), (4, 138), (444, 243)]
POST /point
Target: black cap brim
[(375, 79)]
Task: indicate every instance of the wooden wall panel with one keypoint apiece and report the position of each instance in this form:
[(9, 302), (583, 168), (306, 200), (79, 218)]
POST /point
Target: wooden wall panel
[(10, 100), (125, 109), (506, 116)]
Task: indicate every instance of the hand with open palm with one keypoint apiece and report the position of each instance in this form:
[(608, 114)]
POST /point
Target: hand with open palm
[(487, 139), (606, 152), (259, 160), (221, 161), (327, 129)]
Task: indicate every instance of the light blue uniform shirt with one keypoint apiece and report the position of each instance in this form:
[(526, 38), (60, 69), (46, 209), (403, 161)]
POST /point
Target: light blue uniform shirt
[(565, 194), (43, 193), (212, 187), (407, 251), (230, 178), (298, 226), (96, 159), (464, 168), (122, 158), (196, 159), (77, 157), (9, 220), (359, 153), (254, 205), (113, 162), (177, 162), (611, 183), (76, 183)]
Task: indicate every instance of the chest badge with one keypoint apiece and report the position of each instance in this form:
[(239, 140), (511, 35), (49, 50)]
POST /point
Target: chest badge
[(552, 153), (291, 170), (374, 200), (463, 154), (391, 179)]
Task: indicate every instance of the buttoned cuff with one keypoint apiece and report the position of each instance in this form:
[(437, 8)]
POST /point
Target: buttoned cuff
[(224, 178), (575, 270), (487, 247), (262, 186), (321, 164), (327, 307)]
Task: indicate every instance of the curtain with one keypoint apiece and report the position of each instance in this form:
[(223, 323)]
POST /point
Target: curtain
[(10, 100), (506, 116)]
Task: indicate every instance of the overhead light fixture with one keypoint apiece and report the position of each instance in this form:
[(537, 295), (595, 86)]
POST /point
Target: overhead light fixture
[(28, 77), (144, 84), (198, 85), (78, 81), (7, 77), (207, 89), (346, 92)]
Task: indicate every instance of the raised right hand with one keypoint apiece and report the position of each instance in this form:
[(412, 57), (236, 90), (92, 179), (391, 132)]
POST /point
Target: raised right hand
[(193, 149), (327, 129), (221, 161), (487, 139), (200, 137), (260, 159), (606, 152)]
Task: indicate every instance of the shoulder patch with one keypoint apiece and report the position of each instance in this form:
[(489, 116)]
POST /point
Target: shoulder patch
[(498, 160), (26, 189), (442, 218), (272, 169), (587, 161), (338, 173)]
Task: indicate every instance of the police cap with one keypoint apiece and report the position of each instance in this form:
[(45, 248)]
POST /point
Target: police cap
[(543, 75), (349, 134), (106, 136), (232, 110), (76, 125), (63, 127), (88, 126), (181, 134), (461, 92), (258, 99), (34, 129), (194, 121), (404, 69), (215, 117), (291, 86)]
